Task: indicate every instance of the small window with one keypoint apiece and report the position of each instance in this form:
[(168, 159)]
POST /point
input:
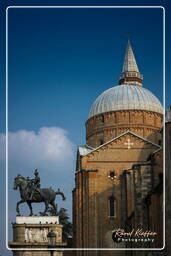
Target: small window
[(101, 142), (112, 175), (102, 119), (112, 206)]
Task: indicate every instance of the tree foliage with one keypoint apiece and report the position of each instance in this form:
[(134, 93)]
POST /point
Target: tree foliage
[(67, 225), (63, 220)]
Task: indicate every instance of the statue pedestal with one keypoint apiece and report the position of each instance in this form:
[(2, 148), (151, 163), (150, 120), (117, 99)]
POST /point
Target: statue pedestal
[(30, 234)]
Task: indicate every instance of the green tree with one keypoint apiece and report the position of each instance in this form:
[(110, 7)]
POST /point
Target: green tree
[(67, 226), (63, 220)]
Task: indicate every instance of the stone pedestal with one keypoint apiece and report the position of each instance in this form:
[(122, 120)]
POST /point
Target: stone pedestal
[(30, 236)]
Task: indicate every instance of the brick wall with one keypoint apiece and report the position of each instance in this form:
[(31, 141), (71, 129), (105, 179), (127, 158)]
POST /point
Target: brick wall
[(104, 127)]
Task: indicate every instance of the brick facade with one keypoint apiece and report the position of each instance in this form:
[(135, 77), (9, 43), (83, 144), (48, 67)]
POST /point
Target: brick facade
[(110, 193), (104, 127), (92, 224)]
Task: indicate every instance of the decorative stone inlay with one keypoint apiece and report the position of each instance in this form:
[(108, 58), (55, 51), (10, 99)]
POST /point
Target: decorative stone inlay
[(27, 254), (34, 235), (129, 143)]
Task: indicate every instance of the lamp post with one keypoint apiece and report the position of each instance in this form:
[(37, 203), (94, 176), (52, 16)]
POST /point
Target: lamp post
[(51, 241)]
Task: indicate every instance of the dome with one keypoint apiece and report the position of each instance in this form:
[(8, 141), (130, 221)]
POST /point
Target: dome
[(125, 97)]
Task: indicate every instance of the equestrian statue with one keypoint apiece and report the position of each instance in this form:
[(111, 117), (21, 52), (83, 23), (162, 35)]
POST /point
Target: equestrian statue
[(31, 192)]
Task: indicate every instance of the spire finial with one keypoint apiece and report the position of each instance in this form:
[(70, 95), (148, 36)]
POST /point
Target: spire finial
[(130, 73)]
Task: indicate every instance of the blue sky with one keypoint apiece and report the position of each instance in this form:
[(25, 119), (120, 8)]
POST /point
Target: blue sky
[(60, 60)]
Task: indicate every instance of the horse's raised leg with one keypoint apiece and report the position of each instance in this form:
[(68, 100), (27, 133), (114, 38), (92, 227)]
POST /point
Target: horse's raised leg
[(17, 206), (31, 209), (54, 207), (46, 207)]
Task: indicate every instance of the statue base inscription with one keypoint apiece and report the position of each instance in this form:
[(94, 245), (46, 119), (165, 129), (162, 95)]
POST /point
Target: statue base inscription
[(31, 232)]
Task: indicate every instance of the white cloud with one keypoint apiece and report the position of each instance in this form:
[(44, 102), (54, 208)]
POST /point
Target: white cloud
[(51, 151), (50, 147)]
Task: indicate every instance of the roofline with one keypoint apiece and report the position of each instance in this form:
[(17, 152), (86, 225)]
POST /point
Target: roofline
[(84, 146), (135, 109), (123, 135), (157, 150), (88, 146)]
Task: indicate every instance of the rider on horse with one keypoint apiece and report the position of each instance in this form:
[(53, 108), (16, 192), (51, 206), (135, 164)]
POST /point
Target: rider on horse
[(34, 184), (30, 192)]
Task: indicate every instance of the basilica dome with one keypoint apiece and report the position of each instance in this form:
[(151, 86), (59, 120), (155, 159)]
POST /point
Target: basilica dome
[(125, 107), (126, 97)]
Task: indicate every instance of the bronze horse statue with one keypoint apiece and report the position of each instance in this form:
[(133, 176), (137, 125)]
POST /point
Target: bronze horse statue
[(46, 195)]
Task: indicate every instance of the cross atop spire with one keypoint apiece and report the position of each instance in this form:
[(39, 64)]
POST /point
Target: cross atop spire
[(130, 72)]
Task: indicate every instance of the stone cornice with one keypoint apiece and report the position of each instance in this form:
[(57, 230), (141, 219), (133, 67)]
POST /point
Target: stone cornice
[(121, 126), (124, 110)]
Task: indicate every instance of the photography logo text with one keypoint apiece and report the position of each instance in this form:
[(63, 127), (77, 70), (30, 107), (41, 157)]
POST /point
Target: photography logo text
[(120, 235)]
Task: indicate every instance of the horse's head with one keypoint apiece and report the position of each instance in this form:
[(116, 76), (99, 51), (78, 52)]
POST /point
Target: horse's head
[(18, 181), (63, 196), (61, 193)]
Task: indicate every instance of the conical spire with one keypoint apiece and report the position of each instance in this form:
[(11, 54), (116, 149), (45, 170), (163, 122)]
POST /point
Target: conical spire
[(129, 62), (130, 73)]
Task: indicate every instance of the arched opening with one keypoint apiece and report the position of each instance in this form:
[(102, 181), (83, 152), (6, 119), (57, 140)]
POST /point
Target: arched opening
[(101, 142)]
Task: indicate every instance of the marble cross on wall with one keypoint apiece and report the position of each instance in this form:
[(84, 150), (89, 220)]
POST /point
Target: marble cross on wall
[(129, 143)]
